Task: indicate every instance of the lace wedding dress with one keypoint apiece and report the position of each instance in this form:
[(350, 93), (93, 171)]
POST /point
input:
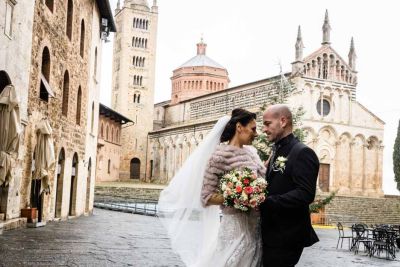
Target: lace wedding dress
[(239, 240)]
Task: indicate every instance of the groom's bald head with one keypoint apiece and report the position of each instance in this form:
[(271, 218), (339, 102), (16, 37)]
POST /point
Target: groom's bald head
[(278, 122), (281, 110)]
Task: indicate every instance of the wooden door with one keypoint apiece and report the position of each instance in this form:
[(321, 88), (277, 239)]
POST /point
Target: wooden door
[(323, 180)]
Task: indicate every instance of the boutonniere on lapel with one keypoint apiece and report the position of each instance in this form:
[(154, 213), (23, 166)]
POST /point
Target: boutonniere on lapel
[(279, 164)]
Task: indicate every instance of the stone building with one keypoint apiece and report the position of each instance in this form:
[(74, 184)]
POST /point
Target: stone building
[(15, 60), (346, 136), (109, 146), (65, 41), (133, 80)]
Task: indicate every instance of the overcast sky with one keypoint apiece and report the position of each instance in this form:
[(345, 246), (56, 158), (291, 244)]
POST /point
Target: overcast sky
[(249, 38)]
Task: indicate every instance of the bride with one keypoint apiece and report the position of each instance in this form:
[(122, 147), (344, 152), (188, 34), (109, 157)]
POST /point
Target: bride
[(190, 206)]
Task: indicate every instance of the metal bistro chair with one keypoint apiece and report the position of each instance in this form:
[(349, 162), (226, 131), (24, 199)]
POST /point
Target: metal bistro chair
[(360, 235), (342, 236), (383, 240)]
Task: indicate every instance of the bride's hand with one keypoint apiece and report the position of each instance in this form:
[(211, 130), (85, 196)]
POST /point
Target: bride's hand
[(216, 199)]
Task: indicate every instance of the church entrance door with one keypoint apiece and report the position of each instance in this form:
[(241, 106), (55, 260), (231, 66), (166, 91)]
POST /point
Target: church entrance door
[(324, 170)]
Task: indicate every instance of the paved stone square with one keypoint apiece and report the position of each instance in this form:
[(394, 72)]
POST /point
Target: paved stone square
[(111, 238)]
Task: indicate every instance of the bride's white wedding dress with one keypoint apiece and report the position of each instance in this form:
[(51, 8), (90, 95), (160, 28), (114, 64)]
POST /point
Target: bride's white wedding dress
[(239, 241), (197, 234)]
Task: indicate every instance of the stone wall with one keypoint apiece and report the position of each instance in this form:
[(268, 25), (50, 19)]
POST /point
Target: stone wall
[(349, 210)]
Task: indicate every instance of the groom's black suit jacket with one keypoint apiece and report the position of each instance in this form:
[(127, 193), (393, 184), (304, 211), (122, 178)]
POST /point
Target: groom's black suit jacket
[(285, 217)]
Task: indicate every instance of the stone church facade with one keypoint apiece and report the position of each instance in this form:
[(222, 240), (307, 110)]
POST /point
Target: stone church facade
[(61, 44), (346, 136)]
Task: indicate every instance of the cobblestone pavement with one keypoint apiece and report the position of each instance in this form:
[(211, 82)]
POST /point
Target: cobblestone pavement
[(107, 238), (111, 238)]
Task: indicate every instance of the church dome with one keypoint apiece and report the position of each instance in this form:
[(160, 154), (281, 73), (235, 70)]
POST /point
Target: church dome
[(199, 76), (201, 59)]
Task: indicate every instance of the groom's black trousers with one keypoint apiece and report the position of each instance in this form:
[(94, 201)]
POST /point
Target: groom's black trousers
[(281, 257)]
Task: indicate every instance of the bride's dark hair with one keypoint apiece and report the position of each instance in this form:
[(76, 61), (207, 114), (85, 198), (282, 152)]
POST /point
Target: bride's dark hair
[(238, 115)]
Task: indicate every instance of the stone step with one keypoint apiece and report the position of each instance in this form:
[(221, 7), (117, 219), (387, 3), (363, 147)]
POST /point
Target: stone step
[(14, 224), (364, 209)]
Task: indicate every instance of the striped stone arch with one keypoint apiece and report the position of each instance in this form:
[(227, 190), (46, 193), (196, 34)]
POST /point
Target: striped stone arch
[(373, 142), (307, 86), (328, 133), (311, 135)]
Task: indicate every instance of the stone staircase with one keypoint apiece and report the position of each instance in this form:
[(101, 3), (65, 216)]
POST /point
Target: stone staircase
[(126, 192), (345, 209), (350, 210)]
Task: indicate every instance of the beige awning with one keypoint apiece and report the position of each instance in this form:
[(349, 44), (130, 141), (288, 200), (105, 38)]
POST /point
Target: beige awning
[(10, 130), (46, 85), (44, 154)]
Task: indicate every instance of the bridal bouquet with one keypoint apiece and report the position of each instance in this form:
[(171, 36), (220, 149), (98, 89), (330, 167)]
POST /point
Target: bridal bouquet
[(242, 189)]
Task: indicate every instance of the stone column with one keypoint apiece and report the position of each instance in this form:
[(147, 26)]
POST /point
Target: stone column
[(321, 98), (311, 102), (340, 106), (351, 165), (336, 178), (350, 109), (380, 174), (364, 182)]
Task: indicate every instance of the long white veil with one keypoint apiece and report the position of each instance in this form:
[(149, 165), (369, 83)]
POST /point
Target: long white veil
[(193, 229)]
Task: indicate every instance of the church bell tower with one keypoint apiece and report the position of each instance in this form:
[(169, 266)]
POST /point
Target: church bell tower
[(133, 80)]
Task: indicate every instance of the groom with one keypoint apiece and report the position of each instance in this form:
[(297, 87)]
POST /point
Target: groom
[(292, 172)]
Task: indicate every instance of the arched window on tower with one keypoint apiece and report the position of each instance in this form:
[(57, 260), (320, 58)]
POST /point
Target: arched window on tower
[(82, 43), (65, 95), (138, 98), (92, 120), (141, 80), (145, 43), (78, 106), (70, 14), (95, 62), (134, 98)]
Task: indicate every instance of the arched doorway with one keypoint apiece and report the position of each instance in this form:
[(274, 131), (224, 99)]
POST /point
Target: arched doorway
[(89, 175), (4, 80), (135, 168), (59, 183), (74, 179)]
